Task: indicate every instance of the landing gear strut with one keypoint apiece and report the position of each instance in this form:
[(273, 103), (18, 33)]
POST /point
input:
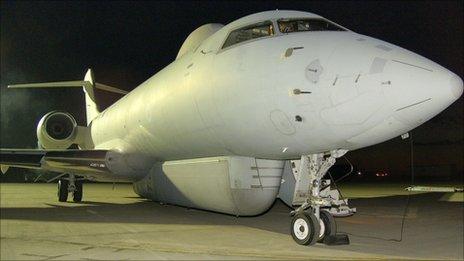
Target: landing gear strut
[(70, 184), (313, 220)]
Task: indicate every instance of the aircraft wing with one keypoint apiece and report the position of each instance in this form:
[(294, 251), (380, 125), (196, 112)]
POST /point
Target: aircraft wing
[(89, 163)]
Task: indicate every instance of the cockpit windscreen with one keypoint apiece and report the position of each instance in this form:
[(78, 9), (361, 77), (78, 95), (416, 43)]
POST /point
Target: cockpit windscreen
[(305, 25)]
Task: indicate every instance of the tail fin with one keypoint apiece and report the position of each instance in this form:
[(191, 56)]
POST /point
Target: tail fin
[(88, 84), (91, 108)]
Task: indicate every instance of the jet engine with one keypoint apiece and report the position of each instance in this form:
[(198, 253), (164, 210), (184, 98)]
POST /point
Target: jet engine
[(56, 130)]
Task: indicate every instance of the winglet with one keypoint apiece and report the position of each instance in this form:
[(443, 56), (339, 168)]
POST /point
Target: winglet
[(4, 168)]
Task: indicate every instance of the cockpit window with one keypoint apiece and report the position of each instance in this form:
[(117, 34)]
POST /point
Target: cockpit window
[(249, 32), (305, 25)]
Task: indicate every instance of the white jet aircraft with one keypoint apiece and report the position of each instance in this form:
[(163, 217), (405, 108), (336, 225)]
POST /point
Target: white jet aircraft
[(258, 108)]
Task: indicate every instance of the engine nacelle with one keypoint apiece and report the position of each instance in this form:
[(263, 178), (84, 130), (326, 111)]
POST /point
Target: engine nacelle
[(57, 130)]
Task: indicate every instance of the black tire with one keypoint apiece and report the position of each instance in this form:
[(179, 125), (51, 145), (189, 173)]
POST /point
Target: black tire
[(77, 195), (330, 227), (305, 228), (63, 190)]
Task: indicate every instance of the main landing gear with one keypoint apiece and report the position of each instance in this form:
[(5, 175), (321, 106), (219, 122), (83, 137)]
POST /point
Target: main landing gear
[(313, 221), (67, 185)]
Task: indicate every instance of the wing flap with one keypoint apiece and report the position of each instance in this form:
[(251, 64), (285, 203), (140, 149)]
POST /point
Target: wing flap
[(100, 165), (21, 158), (82, 162)]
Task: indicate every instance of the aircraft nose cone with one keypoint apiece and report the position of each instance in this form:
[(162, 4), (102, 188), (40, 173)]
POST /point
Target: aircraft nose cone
[(456, 86), (421, 89)]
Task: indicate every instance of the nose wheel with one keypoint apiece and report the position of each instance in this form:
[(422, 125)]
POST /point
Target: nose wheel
[(305, 228), (327, 224)]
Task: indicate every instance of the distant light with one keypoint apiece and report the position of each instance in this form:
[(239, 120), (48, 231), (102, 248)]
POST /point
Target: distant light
[(381, 174)]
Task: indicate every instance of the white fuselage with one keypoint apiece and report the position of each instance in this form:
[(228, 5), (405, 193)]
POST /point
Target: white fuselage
[(241, 101), (212, 129), (218, 127)]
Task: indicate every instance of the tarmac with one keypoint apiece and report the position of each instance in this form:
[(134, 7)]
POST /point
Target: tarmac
[(114, 223)]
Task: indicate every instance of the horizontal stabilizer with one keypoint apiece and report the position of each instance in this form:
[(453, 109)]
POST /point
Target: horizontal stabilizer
[(92, 106), (109, 88), (52, 84), (85, 84)]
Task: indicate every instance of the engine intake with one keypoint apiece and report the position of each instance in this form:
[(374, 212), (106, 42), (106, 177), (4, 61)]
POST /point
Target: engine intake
[(56, 130)]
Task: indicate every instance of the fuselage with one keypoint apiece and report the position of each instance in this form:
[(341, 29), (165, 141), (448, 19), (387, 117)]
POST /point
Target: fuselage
[(277, 97), (223, 126)]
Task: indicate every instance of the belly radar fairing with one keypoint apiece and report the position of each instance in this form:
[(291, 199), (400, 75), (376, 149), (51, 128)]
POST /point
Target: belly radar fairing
[(258, 108)]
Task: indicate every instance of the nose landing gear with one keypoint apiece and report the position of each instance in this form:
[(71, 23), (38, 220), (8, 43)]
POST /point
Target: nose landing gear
[(313, 220), (71, 184)]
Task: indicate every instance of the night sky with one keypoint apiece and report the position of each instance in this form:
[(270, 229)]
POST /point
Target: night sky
[(127, 42)]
